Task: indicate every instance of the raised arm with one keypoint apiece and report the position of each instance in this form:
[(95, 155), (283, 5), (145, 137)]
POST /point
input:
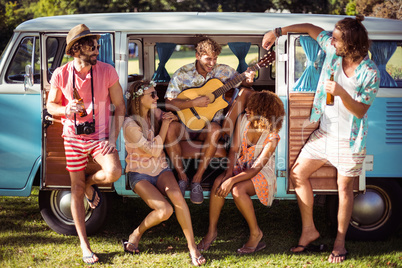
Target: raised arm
[(269, 38)]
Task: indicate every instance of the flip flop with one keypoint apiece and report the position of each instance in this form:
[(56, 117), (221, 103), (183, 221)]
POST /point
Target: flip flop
[(340, 255), (124, 242), (310, 248), (86, 258), (249, 250), (197, 261), (202, 246), (95, 192)]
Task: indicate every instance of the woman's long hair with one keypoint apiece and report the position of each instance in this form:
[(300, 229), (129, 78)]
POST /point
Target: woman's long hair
[(134, 104)]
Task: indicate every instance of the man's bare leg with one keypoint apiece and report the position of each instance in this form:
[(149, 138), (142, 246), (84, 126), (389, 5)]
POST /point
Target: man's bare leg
[(110, 172), (300, 174), (345, 191), (210, 140), (78, 212)]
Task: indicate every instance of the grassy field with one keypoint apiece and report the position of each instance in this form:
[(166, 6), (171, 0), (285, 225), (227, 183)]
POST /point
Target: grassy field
[(26, 240)]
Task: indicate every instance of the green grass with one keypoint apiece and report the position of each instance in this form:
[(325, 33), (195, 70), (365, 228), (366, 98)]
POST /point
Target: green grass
[(26, 240)]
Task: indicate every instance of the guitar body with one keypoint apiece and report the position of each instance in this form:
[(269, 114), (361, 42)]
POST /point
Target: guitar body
[(197, 117)]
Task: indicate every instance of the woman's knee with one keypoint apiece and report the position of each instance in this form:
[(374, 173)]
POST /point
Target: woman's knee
[(238, 190), (165, 212)]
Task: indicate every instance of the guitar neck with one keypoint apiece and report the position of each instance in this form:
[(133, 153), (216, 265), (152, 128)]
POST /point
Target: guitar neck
[(232, 83)]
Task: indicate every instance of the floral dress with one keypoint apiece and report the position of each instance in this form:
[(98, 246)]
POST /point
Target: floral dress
[(265, 181)]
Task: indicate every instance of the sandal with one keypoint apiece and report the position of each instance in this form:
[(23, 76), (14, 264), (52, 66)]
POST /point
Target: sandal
[(249, 250), (87, 259), (94, 193), (197, 261), (202, 246), (124, 242), (309, 248)]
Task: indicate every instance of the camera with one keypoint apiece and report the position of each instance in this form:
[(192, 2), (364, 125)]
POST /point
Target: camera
[(85, 128)]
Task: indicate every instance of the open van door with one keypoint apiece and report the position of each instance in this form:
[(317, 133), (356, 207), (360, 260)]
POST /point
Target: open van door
[(54, 195), (305, 60), (20, 115)]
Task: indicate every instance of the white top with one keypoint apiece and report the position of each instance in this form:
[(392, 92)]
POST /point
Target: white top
[(337, 120)]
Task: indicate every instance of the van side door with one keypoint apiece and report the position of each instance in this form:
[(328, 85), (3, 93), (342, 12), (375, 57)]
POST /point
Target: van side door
[(20, 115)]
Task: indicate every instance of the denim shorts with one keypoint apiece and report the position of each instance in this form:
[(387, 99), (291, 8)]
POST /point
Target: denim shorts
[(135, 177)]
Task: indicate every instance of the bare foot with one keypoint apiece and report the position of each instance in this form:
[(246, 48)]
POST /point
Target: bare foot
[(92, 196), (339, 252), (337, 256), (196, 258), (308, 235), (254, 239), (207, 241)]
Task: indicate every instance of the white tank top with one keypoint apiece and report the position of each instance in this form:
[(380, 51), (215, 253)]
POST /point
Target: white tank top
[(336, 120)]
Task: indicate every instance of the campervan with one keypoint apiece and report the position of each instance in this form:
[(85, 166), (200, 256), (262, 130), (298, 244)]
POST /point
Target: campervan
[(153, 46)]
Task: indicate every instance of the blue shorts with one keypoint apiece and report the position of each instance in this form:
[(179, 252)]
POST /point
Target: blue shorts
[(135, 177)]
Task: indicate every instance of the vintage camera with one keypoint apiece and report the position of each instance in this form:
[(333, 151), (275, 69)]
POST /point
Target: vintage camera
[(85, 128)]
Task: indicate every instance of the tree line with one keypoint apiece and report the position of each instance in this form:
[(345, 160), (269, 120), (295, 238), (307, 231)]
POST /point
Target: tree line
[(14, 12)]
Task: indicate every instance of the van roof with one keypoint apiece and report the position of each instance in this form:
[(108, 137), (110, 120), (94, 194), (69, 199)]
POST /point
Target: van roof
[(199, 23)]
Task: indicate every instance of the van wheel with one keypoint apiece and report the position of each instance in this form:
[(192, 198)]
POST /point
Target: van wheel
[(376, 214), (55, 208)]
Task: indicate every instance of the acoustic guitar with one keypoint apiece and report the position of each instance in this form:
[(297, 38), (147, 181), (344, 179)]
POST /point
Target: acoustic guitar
[(195, 118)]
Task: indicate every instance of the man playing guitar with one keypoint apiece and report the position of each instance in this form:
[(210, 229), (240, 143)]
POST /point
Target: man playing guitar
[(195, 75)]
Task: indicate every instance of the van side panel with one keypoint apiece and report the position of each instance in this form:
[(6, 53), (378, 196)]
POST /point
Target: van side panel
[(20, 118), (384, 140)]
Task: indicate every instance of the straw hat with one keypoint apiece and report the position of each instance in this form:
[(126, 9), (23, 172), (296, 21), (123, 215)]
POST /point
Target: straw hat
[(78, 32)]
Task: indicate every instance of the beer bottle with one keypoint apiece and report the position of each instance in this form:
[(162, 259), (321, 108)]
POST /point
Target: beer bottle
[(80, 105), (330, 97)]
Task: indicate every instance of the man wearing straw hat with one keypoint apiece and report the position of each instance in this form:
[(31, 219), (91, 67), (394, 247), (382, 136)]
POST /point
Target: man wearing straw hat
[(88, 127)]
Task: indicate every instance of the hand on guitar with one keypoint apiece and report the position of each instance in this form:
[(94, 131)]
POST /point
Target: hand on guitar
[(201, 101), (250, 75)]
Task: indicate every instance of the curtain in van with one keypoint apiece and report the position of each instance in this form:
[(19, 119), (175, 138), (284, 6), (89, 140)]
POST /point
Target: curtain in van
[(240, 50), (106, 49), (309, 79), (165, 50), (381, 52)]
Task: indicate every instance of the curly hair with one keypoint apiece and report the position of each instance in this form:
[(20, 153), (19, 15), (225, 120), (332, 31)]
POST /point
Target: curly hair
[(268, 111), (354, 37), (88, 40), (207, 46), (134, 104)]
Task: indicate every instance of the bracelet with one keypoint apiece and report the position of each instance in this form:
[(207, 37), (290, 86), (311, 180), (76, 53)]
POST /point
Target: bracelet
[(278, 32)]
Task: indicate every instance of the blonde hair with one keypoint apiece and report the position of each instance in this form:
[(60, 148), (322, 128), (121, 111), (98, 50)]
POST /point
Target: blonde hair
[(207, 46)]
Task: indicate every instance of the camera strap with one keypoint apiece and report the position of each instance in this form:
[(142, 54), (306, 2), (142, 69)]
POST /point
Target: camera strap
[(92, 92)]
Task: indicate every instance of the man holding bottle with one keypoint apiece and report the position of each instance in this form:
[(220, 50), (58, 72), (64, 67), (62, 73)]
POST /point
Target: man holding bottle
[(341, 136), (84, 92)]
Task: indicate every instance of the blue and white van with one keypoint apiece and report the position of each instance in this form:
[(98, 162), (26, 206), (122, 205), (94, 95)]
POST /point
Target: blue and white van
[(153, 46)]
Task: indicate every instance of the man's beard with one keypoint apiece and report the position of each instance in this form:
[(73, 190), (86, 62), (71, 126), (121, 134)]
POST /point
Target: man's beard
[(87, 59)]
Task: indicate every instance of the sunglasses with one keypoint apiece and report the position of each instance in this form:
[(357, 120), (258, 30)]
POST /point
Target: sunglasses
[(152, 94), (92, 48)]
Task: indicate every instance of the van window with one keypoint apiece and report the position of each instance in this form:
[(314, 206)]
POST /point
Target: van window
[(23, 57), (133, 59), (388, 57), (185, 54)]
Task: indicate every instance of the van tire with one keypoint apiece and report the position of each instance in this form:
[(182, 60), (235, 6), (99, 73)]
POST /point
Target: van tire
[(383, 204), (55, 210)]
